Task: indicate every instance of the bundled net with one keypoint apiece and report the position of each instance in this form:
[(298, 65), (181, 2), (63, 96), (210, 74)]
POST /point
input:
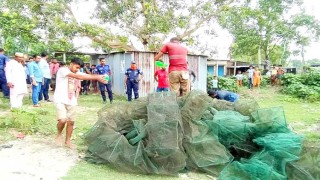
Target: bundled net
[(165, 135), (201, 144), (308, 166)]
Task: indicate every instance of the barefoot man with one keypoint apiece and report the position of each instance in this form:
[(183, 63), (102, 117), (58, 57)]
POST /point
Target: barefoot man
[(65, 97)]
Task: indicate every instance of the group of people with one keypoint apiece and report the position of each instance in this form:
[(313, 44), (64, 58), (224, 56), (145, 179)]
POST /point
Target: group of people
[(15, 74), (254, 80), (67, 81), (255, 76), (176, 78)]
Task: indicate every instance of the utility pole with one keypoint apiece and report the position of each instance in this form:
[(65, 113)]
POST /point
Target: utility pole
[(302, 56), (259, 56)]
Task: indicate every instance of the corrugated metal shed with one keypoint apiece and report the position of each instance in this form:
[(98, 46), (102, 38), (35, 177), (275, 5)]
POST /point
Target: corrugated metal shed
[(120, 61)]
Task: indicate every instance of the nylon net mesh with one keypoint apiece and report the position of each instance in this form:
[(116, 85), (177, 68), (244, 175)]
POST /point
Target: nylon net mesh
[(163, 134)]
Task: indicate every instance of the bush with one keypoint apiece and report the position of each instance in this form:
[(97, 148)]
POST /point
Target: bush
[(305, 86), (289, 79), (230, 83), (312, 78), (26, 121), (225, 83)]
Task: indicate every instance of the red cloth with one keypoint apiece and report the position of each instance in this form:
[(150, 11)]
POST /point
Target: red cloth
[(177, 56), (74, 87), (54, 68), (163, 78)]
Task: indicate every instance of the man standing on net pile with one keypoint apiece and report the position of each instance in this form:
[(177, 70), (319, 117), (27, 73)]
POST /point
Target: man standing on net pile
[(16, 80), (132, 78), (3, 80), (104, 69), (178, 67), (65, 97)]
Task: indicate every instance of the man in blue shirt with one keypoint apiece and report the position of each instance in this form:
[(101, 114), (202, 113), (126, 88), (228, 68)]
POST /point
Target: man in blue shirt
[(223, 95), (103, 69), (131, 80), (36, 76), (3, 81), (44, 66)]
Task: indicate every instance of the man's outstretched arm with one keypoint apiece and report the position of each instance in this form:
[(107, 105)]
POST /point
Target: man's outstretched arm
[(158, 56)]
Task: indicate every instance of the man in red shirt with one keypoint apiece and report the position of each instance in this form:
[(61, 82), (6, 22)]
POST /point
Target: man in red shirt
[(162, 77), (178, 67), (54, 67)]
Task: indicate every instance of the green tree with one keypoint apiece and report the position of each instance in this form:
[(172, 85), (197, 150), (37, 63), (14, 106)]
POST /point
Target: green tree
[(314, 62), (56, 26), (16, 33), (152, 21), (296, 63), (266, 27)]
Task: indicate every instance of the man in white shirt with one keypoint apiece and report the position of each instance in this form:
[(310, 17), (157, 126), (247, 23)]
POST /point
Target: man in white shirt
[(16, 80), (65, 97), (44, 66), (250, 72)]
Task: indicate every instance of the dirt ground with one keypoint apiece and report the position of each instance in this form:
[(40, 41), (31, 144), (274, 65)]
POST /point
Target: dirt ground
[(35, 158)]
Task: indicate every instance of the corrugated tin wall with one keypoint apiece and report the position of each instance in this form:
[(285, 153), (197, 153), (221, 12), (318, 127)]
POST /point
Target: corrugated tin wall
[(119, 62), (145, 62)]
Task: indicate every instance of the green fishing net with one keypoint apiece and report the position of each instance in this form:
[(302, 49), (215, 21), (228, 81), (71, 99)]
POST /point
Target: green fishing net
[(163, 134)]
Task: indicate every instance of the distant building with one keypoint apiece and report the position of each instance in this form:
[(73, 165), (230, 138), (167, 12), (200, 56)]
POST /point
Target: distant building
[(220, 67), (217, 67)]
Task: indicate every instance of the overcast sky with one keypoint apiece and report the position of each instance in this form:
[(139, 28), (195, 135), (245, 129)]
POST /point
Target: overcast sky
[(84, 9)]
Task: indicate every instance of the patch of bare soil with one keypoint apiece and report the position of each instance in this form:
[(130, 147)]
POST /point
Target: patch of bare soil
[(35, 158)]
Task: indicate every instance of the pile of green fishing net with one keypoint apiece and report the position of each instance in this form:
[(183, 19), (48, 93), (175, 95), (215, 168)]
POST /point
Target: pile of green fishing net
[(162, 134)]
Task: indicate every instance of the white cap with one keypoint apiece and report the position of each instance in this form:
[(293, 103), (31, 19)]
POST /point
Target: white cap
[(18, 54)]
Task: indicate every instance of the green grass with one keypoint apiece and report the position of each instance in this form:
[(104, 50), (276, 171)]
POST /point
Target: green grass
[(27, 120), (295, 110), (85, 170)]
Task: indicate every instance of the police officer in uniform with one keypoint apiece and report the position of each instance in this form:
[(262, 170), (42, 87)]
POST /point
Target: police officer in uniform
[(132, 77), (104, 69), (3, 81)]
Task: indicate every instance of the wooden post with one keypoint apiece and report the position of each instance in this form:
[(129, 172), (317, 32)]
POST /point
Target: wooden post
[(217, 69), (64, 57), (235, 68)]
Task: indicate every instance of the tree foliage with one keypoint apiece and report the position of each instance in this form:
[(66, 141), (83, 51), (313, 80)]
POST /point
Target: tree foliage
[(16, 32), (36, 25), (50, 25), (270, 26), (152, 21)]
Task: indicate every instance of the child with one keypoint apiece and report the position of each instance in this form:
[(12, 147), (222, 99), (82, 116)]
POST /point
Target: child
[(162, 77), (256, 77), (273, 75), (279, 75), (214, 83), (239, 77)]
